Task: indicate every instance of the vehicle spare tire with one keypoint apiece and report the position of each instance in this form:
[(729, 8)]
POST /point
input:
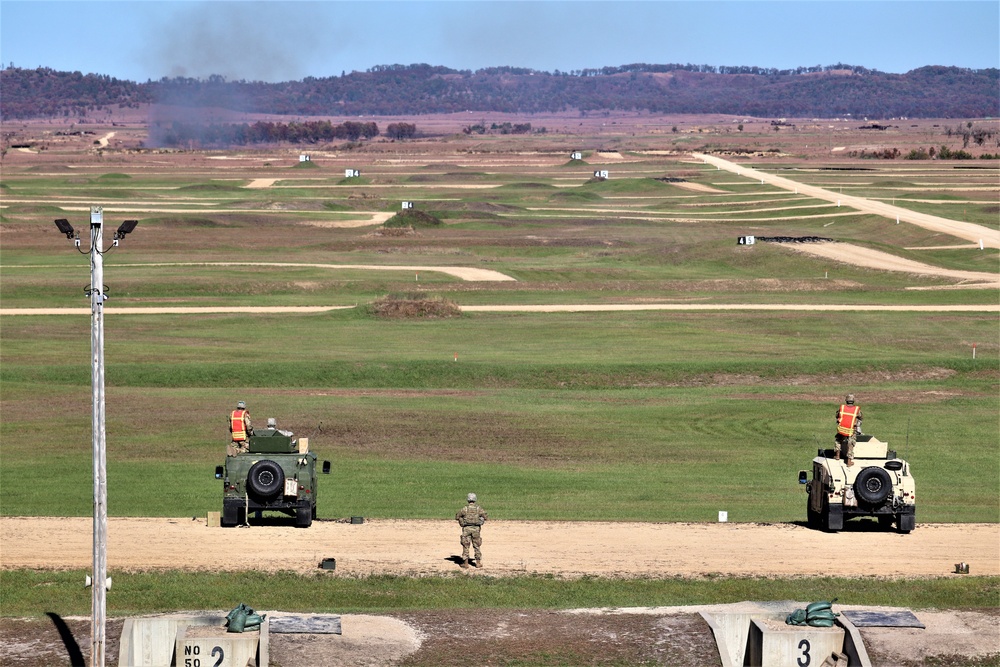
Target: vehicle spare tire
[(872, 485), (265, 479)]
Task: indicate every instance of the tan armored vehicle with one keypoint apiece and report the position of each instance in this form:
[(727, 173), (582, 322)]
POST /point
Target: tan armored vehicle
[(878, 485)]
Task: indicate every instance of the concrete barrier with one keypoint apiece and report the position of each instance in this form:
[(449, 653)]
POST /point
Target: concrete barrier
[(732, 626), (772, 643), (731, 630), (214, 647), (152, 641)]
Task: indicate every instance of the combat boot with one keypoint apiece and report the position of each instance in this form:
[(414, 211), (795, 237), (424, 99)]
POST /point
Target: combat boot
[(464, 564), (478, 562)]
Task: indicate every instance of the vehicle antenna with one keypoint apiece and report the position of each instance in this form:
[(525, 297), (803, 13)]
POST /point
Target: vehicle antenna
[(907, 445), (319, 427)]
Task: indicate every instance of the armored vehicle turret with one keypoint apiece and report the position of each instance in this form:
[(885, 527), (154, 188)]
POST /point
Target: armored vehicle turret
[(277, 473)]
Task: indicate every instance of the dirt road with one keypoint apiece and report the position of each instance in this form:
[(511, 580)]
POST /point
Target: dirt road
[(558, 308), (958, 229), (875, 259), (509, 547), (460, 272)]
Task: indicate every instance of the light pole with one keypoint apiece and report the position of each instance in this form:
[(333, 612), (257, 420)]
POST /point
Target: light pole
[(97, 292)]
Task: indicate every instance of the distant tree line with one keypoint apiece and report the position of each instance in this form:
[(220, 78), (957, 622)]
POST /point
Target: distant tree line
[(820, 91), (501, 128), (178, 133), (401, 130)]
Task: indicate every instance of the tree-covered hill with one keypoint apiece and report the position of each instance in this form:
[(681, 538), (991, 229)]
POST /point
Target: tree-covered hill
[(830, 91)]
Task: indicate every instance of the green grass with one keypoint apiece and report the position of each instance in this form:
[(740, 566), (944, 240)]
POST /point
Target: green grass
[(653, 418), (637, 416), (34, 593)]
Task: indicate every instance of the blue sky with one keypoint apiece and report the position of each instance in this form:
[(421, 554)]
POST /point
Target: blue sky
[(276, 41)]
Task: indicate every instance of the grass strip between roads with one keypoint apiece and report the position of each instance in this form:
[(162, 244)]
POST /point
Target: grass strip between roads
[(34, 593)]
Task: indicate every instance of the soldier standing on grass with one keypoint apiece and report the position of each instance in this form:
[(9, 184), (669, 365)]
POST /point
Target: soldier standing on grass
[(471, 518)]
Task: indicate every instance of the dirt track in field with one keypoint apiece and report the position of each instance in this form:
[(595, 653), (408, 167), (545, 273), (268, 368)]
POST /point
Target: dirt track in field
[(561, 308), (424, 547), (956, 228), (875, 259)]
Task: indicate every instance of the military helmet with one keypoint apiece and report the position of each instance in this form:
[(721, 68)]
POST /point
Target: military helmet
[(241, 405), (849, 399), (471, 497)]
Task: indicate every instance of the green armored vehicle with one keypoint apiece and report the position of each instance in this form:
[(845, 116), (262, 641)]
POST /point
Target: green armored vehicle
[(877, 485), (277, 473)]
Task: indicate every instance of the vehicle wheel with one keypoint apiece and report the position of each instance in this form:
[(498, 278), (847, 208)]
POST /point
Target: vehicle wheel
[(314, 512), (812, 517), (265, 479), (872, 485), (885, 520), (303, 517)]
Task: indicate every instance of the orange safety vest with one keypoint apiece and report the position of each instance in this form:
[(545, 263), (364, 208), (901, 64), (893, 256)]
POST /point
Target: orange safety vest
[(237, 425), (848, 417)]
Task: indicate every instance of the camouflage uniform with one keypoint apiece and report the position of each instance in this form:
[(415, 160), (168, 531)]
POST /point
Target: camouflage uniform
[(471, 518), (845, 443), (238, 446)]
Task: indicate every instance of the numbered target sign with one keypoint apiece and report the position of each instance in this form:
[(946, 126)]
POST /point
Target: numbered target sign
[(772, 642), (226, 650)]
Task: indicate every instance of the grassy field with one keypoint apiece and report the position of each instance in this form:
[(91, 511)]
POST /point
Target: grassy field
[(661, 417), (33, 593), (645, 416)]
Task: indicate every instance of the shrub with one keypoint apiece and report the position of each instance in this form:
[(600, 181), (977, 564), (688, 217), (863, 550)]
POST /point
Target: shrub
[(947, 154), (412, 218), (414, 304)]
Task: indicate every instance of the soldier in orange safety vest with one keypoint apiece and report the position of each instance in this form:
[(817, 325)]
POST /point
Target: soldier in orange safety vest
[(241, 429), (848, 427)]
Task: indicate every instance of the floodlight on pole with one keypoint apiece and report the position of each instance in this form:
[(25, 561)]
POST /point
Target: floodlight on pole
[(123, 229), (65, 227), (99, 581)]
